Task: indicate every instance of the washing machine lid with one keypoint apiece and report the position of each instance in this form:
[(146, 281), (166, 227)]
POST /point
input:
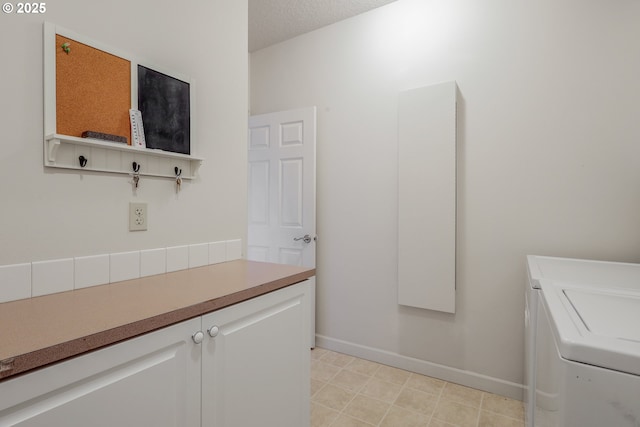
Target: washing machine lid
[(588, 273), (595, 326)]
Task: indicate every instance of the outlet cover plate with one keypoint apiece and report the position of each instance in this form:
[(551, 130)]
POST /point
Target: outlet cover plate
[(138, 218)]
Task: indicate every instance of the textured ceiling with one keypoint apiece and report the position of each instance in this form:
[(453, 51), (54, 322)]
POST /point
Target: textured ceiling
[(273, 21)]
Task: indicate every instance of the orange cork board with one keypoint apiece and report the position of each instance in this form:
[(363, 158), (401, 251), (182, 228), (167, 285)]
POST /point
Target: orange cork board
[(93, 90)]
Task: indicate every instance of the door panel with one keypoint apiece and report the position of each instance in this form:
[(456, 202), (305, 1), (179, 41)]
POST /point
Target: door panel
[(291, 134), (259, 203), (259, 138), (291, 184), (291, 256)]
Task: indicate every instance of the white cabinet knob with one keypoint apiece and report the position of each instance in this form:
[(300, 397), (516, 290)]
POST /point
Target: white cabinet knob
[(213, 331), (198, 337)]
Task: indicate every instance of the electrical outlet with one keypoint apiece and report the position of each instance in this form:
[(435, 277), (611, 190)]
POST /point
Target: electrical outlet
[(138, 216)]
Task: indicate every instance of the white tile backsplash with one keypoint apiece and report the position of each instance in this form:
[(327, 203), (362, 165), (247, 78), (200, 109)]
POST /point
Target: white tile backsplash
[(91, 271), (49, 277), (20, 281), (217, 252), (124, 266), (153, 261), (177, 258), (198, 255), (15, 282), (234, 249)]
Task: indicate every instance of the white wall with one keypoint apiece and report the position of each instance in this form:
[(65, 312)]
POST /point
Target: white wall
[(548, 160), (51, 213)]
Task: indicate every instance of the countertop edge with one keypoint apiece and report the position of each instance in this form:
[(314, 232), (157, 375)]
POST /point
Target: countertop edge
[(24, 363)]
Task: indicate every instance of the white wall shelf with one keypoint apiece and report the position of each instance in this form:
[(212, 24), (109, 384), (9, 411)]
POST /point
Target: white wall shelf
[(62, 151)]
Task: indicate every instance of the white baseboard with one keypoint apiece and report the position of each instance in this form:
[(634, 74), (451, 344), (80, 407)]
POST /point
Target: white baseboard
[(446, 373)]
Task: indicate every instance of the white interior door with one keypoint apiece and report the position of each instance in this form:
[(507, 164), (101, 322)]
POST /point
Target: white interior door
[(282, 210), (282, 190)]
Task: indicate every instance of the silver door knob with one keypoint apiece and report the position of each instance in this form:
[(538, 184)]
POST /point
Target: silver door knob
[(213, 331), (306, 238)]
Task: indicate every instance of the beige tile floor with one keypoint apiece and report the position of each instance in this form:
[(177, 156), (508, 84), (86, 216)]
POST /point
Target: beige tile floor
[(351, 392)]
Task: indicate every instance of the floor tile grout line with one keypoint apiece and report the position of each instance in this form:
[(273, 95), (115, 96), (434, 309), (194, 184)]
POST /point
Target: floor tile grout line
[(480, 409), (359, 391), (388, 409), (502, 415), (437, 402), (326, 407), (484, 395), (406, 386), (393, 403), (348, 403)]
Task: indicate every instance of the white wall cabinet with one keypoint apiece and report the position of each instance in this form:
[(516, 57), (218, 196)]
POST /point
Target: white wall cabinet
[(427, 197), (255, 372)]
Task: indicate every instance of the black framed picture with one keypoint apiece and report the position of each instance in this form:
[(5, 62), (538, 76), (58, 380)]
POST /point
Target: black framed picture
[(165, 106)]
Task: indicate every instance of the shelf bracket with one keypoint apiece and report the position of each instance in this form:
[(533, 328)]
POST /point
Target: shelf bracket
[(52, 149), (196, 166)]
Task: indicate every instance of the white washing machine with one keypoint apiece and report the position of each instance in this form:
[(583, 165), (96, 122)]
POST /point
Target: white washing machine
[(587, 356), (578, 272), (532, 288)]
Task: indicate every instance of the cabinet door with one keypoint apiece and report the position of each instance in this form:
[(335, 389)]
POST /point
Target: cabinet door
[(151, 380), (255, 370)]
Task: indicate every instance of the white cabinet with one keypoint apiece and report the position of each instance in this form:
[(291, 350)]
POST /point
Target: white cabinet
[(151, 380), (427, 197), (253, 372), (255, 367)]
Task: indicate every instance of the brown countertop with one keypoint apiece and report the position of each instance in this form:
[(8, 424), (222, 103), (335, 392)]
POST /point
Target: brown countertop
[(38, 331)]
